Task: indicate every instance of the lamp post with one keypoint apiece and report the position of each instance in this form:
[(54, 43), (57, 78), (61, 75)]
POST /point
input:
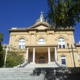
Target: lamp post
[(72, 53), (6, 48)]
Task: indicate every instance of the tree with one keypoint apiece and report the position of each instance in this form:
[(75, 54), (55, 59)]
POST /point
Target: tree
[(1, 51), (63, 13), (14, 59)]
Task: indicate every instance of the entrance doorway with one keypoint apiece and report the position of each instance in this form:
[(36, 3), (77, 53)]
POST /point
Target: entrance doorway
[(41, 60)]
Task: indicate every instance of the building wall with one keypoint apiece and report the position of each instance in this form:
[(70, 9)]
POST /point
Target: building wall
[(51, 37)]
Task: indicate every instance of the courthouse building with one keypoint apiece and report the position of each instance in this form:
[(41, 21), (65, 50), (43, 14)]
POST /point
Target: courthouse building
[(43, 46)]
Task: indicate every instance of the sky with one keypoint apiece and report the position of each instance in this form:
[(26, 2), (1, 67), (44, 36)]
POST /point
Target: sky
[(22, 14)]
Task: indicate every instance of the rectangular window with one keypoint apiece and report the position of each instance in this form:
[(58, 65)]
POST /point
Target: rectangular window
[(19, 46), (63, 60), (59, 40), (62, 40), (59, 46), (23, 46), (63, 46)]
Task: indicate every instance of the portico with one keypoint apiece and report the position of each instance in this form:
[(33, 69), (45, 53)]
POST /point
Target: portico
[(41, 54)]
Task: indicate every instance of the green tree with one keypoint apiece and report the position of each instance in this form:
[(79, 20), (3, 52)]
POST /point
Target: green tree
[(63, 13), (14, 59), (1, 51)]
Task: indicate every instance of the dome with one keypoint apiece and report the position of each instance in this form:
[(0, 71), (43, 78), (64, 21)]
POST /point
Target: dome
[(41, 19)]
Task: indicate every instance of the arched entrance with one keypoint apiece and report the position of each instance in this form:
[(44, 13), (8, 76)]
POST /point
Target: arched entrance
[(41, 60)]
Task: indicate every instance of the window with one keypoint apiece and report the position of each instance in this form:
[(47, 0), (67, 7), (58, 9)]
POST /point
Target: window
[(63, 60), (63, 46), (61, 43), (59, 46), (21, 44), (41, 41)]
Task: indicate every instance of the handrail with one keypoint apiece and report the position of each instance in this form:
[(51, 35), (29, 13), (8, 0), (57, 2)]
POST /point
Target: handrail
[(21, 65)]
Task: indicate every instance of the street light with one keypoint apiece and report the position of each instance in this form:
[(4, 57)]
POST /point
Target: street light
[(6, 48), (72, 53)]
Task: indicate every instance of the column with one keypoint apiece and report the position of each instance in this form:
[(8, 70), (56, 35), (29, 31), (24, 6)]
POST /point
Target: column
[(49, 57), (27, 54), (33, 55), (55, 54)]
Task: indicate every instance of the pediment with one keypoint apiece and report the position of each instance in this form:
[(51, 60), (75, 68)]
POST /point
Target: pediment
[(39, 26)]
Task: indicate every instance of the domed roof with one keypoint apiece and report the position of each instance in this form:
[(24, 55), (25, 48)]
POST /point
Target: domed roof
[(41, 19)]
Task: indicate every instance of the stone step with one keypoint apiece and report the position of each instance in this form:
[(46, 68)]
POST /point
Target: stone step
[(23, 78), (49, 65), (18, 74)]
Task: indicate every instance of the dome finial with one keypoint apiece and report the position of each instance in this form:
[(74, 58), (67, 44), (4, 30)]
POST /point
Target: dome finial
[(41, 17)]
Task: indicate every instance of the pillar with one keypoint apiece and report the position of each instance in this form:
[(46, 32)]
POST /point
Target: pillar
[(33, 55), (55, 54), (49, 57), (27, 54)]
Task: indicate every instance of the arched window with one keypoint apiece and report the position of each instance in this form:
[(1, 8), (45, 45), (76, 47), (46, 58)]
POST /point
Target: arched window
[(21, 43), (61, 43), (63, 60), (41, 57), (41, 41)]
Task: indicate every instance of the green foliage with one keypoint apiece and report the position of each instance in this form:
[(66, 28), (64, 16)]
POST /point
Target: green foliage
[(14, 59), (63, 13), (1, 51), (1, 37)]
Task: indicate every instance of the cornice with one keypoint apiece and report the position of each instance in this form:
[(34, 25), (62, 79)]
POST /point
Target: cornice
[(66, 50), (41, 45), (32, 29), (18, 50), (77, 45)]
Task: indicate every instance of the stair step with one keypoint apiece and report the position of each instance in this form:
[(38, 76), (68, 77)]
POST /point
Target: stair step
[(18, 74)]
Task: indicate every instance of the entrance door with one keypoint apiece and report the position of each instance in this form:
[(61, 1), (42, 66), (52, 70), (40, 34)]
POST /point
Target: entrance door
[(41, 60)]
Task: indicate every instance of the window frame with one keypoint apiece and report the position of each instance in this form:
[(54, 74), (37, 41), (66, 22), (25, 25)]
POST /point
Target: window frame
[(21, 43), (41, 41), (61, 43), (63, 60)]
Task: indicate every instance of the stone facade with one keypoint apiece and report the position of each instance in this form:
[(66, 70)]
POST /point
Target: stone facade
[(41, 44)]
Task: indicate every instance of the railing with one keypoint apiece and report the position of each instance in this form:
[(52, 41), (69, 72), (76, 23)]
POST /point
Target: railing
[(21, 65)]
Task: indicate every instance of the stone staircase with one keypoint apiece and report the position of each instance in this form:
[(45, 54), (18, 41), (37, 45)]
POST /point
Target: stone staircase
[(25, 71), (49, 65), (45, 65), (19, 74)]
